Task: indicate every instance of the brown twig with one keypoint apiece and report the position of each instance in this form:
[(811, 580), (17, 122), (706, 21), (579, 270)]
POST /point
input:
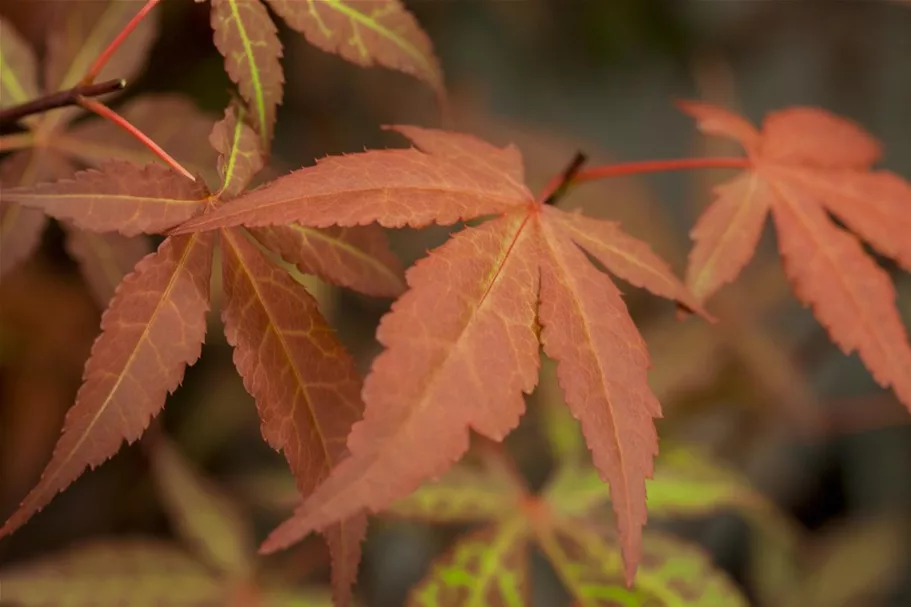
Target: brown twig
[(60, 99)]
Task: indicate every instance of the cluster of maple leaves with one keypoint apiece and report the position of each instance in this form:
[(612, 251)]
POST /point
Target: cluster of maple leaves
[(462, 340)]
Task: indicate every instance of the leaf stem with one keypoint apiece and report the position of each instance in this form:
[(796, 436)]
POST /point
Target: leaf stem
[(59, 99), (106, 54), (632, 168), (107, 113)]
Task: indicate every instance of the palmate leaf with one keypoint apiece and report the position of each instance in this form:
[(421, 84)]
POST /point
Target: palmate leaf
[(805, 163), (18, 68), (152, 330), (104, 259), (488, 566), (305, 385), (462, 343)]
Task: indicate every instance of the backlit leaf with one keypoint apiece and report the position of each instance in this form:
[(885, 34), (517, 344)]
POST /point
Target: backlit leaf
[(202, 514), (602, 365), (671, 574), (18, 68), (366, 32), (104, 259), (121, 196), (804, 163), (107, 574), (247, 38), (464, 494), (487, 568), (240, 157), (356, 257), (305, 384), (393, 187), (153, 328), (466, 368)]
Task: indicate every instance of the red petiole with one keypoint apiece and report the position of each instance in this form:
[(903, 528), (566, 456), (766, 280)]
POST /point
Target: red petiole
[(648, 166)]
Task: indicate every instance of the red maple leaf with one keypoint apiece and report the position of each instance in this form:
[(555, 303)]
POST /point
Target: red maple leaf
[(53, 147), (804, 164), (305, 384), (462, 344)]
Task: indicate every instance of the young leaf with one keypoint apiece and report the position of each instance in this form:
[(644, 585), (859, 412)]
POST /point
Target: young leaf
[(804, 163), (134, 572), (366, 32), (306, 387), (104, 259), (152, 330), (357, 257), (240, 157), (247, 38), (468, 362), (121, 196), (487, 568), (203, 515)]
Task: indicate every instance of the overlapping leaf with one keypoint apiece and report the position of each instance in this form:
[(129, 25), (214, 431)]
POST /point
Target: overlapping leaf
[(305, 384), (140, 571), (462, 343), (78, 32), (365, 32), (805, 163), (488, 566)]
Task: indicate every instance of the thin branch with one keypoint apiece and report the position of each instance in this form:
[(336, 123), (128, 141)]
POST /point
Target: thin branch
[(57, 100), (106, 54), (649, 166), (107, 113), (557, 188)]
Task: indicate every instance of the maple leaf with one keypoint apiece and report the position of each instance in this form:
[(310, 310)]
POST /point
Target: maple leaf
[(54, 147), (804, 164), (218, 568), (364, 32), (489, 565), (462, 344), (305, 385)]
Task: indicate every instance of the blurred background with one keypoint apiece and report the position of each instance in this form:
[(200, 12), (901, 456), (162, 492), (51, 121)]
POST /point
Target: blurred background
[(764, 390)]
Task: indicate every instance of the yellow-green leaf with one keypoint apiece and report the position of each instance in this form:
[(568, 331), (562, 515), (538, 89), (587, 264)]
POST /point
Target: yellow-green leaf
[(671, 574), (487, 568)]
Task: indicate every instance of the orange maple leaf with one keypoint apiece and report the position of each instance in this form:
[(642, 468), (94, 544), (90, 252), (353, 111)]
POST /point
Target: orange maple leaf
[(306, 388), (462, 344), (804, 163)]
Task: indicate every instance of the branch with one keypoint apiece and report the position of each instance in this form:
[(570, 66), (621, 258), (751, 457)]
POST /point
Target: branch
[(60, 99), (557, 188)]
